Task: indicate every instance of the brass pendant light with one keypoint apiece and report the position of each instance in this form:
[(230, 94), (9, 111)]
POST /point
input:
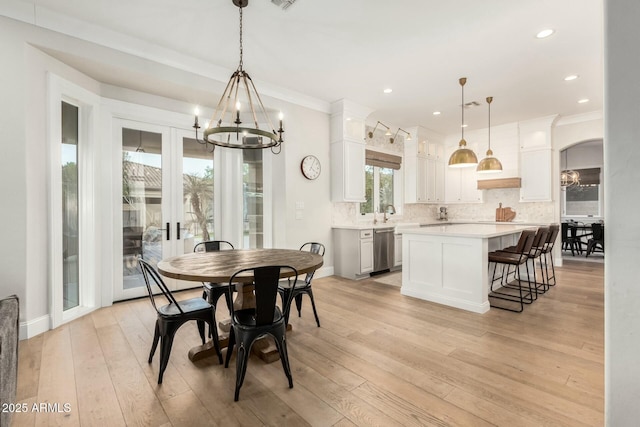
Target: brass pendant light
[(463, 157), (489, 164)]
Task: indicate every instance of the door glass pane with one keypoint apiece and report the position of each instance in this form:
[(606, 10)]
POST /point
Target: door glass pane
[(70, 252), (197, 193), (252, 198), (142, 224)]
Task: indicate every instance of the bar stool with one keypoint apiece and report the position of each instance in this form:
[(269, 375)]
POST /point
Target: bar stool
[(515, 259), (547, 253)]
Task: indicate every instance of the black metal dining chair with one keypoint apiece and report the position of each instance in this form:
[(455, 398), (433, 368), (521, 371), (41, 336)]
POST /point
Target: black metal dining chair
[(213, 291), (247, 325), (173, 315), (597, 239), (303, 287)]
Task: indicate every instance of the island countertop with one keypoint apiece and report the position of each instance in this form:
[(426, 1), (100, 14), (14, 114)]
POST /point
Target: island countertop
[(481, 231)]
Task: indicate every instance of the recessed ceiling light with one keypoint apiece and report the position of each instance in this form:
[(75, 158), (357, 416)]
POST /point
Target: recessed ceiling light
[(388, 90), (583, 101), (545, 33), (571, 77), (436, 113)]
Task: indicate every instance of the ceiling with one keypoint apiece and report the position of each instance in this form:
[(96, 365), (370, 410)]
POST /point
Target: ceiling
[(334, 49)]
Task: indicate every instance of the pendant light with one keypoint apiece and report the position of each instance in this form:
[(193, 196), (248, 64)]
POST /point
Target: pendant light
[(227, 129), (463, 157), (568, 177), (489, 164)]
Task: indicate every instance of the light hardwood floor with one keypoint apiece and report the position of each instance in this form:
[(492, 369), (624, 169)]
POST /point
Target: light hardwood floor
[(379, 359)]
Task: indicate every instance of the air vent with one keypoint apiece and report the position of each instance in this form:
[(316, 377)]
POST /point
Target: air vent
[(284, 4), (471, 104)]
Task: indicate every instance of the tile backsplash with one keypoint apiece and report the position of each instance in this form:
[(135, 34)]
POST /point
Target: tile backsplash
[(544, 212)]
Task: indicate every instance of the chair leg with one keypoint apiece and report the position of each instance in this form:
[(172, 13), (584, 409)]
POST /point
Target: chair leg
[(166, 342), (299, 304), (216, 340), (313, 305), (156, 338), (281, 344), (231, 344), (244, 346), (284, 294), (201, 330)]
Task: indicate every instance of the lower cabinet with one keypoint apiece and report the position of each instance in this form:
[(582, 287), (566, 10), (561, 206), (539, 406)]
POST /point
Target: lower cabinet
[(353, 256), (397, 254)]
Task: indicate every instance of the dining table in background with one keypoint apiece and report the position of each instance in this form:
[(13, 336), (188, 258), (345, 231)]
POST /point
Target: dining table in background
[(219, 266)]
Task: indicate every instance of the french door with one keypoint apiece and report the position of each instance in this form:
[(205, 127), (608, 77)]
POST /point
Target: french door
[(166, 203)]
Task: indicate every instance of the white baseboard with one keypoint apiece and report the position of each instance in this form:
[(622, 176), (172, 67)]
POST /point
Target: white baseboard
[(323, 272), (34, 327)]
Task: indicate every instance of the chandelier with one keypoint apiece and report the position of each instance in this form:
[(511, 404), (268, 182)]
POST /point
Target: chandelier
[(241, 96), (463, 156), (568, 177)]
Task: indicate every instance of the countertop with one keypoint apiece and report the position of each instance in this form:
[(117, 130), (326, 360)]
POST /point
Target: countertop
[(400, 226), (479, 231)]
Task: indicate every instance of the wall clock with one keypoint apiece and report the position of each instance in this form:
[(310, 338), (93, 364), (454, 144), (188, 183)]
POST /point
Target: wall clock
[(310, 167)]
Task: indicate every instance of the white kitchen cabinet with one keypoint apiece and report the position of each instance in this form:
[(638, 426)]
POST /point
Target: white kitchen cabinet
[(536, 173), (462, 186), (353, 256), (347, 171), (347, 151), (397, 248), (424, 168)]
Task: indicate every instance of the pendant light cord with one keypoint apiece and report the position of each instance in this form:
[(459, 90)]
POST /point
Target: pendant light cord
[(489, 102), (462, 110)]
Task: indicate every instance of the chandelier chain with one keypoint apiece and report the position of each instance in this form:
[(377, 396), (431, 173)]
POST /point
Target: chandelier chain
[(240, 65)]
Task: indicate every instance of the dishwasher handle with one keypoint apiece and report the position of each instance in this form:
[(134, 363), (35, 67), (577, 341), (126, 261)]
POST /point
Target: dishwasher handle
[(384, 231)]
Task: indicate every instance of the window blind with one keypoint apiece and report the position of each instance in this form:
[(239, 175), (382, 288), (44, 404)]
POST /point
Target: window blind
[(382, 160), (589, 176)]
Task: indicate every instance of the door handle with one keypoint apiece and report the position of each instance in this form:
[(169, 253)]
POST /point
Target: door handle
[(168, 231), (178, 230)]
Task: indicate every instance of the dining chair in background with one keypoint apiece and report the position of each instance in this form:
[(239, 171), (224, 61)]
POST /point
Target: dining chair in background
[(213, 291), (303, 287), (597, 239), (173, 315), (247, 325)]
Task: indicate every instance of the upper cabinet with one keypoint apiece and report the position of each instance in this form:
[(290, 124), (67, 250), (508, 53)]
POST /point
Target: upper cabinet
[(348, 151), (461, 183), (536, 160), (424, 167)]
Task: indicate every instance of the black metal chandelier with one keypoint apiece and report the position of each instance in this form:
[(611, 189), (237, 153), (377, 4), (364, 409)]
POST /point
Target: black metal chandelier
[(241, 95)]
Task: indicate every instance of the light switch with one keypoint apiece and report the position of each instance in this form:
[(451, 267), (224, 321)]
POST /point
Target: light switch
[(299, 205), (298, 214)]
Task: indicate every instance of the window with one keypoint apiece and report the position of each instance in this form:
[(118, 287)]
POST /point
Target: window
[(253, 196), (585, 199), (382, 182), (70, 220), (582, 200)]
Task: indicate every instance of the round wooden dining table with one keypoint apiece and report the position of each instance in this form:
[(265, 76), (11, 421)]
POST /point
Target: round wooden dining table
[(219, 266)]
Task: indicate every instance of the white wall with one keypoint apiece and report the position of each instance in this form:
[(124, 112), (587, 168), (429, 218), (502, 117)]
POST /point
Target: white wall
[(622, 155)]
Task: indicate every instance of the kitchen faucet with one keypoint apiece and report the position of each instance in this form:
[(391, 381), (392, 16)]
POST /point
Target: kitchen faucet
[(393, 211)]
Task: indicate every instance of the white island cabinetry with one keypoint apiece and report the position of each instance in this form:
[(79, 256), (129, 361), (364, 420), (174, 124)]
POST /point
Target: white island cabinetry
[(448, 264)]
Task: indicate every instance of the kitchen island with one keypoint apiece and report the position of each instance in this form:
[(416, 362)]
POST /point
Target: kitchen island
[(448, 263)]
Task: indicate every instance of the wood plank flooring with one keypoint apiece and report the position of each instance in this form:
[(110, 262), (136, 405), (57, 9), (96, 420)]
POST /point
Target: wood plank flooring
[(379, 359)]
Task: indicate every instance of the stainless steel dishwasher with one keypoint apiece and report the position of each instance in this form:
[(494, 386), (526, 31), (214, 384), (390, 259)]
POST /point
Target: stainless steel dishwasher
[(383, 249)]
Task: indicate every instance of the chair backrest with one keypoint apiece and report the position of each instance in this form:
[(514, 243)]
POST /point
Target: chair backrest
[(565, 232), (598, 231), (525, 241), (540, 238), (314, 248), (265, 281), (150, 274), (212, 246), (553, 234)]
